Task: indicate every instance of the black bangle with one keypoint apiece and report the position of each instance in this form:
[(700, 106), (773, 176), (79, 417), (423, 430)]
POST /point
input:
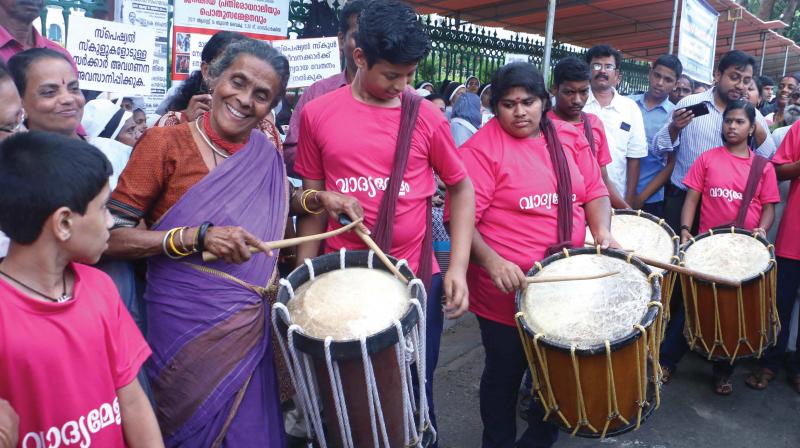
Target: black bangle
[(685, 227), (201, 236)]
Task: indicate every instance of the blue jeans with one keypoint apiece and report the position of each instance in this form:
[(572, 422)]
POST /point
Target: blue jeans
[(434, 324), (504, 367), (788, 282)]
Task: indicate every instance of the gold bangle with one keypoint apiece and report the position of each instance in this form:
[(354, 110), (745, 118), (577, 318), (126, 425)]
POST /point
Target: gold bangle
[(304, 198), (172, 243)]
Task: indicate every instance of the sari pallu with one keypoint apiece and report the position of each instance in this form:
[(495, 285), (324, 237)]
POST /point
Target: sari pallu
[(212, 370)]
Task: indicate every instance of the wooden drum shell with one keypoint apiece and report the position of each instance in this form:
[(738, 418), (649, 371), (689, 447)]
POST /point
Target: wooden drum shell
[(632, 380)]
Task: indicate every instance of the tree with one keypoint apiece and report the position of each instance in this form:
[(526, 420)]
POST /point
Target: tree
[(765, 10)]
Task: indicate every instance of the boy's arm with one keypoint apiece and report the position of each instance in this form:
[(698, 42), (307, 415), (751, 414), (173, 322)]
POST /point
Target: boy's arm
[(617, 201), (631, 179), (138, 420), (767, 219), (657, 182), (462, 223), (9, 425), (687, 214)]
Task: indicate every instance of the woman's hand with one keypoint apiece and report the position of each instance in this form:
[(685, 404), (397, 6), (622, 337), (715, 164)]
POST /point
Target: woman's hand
[(336, 204), (232, 244), (507, 276), (198, 105)]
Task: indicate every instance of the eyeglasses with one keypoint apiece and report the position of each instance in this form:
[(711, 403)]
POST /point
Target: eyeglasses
[(598, 67), (18, 126)]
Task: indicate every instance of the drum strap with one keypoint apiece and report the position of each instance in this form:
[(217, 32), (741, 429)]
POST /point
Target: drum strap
[(384, 227), (587, 130), (563, 186), (756, 170)]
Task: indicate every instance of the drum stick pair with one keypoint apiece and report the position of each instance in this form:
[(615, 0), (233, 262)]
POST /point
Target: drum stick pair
[(684, 270)]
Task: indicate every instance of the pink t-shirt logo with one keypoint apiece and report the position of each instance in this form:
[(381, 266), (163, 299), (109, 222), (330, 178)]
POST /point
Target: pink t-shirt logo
[(546, 200), (368, 185), (725, 193), (74, 432)]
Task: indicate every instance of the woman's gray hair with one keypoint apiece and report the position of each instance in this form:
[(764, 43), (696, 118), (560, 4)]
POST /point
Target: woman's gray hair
[(260, 50)]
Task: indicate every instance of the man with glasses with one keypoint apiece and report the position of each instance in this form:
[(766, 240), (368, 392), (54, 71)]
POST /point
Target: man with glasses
[(622, 121)]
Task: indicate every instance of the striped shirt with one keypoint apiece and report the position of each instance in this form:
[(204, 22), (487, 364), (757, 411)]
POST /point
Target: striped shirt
[(702, 133)]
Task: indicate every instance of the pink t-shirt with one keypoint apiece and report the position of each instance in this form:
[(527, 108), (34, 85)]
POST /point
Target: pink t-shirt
[(600, 140), (787, 243), (516, 203), (62, 363), (10, 46), (721, 178), (351, 146)]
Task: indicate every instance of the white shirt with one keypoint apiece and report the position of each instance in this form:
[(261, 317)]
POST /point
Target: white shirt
[(624, 128)]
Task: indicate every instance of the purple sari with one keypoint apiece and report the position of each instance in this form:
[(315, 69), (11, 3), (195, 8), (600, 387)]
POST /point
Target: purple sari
[(212, 369)]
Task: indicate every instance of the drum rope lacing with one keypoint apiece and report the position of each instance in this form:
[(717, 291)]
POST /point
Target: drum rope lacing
[(647, 343), (409, 350), (767, 290)]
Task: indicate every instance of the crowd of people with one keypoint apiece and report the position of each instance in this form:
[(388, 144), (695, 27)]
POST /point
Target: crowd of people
[(152, 347)]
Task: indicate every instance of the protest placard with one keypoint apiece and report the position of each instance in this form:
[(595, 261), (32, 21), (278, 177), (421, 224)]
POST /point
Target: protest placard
[(152, 14), (310, 59), (111, 56), (195, 21)]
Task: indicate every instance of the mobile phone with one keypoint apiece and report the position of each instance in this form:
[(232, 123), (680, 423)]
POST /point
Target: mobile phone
[(698, 109)]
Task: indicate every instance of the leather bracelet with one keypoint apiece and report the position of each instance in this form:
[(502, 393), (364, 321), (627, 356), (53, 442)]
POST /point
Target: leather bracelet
[(201, 236)]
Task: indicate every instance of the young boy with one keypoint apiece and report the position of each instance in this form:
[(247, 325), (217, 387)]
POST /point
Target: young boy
[(69, 351), (348, 144), (571, 91)]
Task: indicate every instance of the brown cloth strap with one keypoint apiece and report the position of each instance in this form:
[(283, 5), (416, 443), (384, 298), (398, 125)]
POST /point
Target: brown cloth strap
[(756, 170), (563, 185), (587, 131), (384, 227)]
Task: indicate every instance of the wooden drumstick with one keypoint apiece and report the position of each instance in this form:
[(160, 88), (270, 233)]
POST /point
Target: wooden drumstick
[(345, 220), (568, 278), (685, 271), (208, 257)]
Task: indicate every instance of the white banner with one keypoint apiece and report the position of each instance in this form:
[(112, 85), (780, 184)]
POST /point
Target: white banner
[(112, 57), (152, 14), (697, 41), (310, 59), (263, 17), (513, 57)]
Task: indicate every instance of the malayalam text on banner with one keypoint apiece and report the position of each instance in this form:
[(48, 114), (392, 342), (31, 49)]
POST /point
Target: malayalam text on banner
[(310, 59), (195, 21), (112, 57)]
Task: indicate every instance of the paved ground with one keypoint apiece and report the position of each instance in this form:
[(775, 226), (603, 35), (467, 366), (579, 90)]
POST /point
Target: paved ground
[(691, 415)]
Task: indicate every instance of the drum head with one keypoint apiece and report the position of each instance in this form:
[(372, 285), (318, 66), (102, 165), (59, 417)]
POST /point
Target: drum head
[(642, 233), (734, 255), (586, 313), (348, 303)]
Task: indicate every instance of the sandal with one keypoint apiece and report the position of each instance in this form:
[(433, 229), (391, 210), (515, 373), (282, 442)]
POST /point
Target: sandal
[(722, 385), (794, 380), (760, 378), (666, 374)]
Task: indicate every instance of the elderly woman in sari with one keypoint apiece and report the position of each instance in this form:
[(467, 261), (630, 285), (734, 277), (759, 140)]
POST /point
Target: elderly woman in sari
[(216, 184)]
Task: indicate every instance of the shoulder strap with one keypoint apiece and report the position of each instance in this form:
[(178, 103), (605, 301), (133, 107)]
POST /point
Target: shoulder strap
[(384, 227), (756, 170), (587, 130)]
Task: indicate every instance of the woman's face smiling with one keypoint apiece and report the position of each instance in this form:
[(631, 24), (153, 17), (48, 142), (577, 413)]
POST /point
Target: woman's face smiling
[(242, 96), (53, 99)]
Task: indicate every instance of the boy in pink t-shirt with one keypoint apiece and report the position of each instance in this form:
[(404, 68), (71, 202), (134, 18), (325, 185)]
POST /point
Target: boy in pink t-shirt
[(719, 176), (787, 251), (348, 144), (69, 350)]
